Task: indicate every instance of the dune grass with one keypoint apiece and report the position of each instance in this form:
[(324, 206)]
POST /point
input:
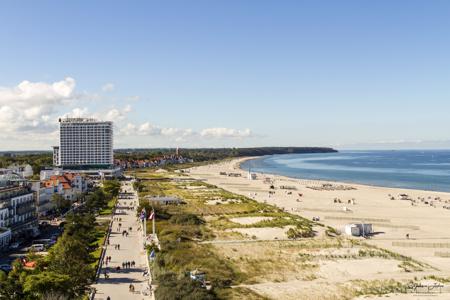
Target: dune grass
[(181, 228)]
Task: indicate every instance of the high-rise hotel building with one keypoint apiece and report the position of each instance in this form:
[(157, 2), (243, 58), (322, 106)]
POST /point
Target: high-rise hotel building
[(84, 142)]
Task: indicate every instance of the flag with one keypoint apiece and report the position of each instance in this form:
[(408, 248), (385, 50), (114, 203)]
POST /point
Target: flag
[(152, 215), (152, 255), (142, 216)]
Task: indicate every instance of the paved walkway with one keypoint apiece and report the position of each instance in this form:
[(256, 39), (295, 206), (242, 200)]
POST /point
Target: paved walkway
[(117, 286)]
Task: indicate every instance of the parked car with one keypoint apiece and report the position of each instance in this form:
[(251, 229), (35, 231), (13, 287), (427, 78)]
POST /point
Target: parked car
[(14, 246), (6, 268), (37, 247), (46, 242)]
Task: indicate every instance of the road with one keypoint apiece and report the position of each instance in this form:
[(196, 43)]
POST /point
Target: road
[(7, 257), (117, 286)]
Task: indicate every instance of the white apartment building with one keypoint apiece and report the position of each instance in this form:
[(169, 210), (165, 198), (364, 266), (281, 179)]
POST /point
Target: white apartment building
[(17, 207), (84, 142), (5, 238)]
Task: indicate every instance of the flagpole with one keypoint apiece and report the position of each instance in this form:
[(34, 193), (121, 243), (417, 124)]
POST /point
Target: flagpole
[(145, 227), (144, 222), (153, 223)]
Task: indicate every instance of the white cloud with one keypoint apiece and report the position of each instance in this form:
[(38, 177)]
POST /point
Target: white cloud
[(29, 105), (221, 132), (180, 134), (77, 113), (108, 87), (29, 111), (148, 129), (114, 114), (176, 132), (127, 109), (26, 92)]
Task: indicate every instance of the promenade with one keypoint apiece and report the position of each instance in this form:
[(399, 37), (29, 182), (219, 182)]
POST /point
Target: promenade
[(117, 285)]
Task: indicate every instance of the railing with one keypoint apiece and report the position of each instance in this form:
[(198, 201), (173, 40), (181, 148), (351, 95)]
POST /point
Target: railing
[(102, 256), (421, 245)]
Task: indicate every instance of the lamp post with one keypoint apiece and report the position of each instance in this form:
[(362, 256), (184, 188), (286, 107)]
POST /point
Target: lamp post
[(153, 215), (143, 218)]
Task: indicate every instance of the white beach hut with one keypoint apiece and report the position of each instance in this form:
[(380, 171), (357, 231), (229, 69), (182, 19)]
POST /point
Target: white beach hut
[(359, 229), (251, 176), (352, 229)]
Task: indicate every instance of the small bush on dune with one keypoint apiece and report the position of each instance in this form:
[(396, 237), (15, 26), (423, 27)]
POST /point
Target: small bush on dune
[(186, 219), (170, 287)]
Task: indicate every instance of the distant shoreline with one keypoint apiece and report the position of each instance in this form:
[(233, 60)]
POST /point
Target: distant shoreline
[(414, 225), (240, 161)]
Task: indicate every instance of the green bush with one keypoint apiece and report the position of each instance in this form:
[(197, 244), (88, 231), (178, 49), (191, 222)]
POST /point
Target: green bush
[(170, 288), (186, 219)]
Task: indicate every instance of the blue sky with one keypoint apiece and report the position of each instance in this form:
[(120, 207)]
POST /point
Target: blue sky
[(348, 74)]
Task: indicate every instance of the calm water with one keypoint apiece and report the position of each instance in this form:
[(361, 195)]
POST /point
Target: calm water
[(425, 170)]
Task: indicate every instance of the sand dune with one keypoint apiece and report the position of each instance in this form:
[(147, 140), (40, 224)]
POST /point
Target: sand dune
[(424, 217)]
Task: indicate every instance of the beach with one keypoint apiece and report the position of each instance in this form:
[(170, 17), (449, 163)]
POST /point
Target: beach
[(394, 214)]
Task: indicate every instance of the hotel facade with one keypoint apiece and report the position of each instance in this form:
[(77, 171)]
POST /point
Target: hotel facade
[(18, 216), (84, 143)]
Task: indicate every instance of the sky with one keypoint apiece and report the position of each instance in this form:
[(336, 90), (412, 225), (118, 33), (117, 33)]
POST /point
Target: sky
[(344, 74)]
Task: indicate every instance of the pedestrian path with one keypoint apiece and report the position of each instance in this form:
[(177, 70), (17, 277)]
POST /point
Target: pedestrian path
[(119, 282)]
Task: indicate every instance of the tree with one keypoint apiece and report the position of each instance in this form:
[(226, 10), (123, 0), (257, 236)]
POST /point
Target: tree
[(80, 226), (11, 288), (44, 284), (112, 187), (60, 202), (70, 256), (97, 199)]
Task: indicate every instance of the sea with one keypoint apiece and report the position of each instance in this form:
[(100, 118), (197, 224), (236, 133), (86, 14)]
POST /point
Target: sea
[(410, 169)]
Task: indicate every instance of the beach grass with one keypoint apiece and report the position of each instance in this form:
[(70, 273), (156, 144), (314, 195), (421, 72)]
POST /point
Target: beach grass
[(188, 232)]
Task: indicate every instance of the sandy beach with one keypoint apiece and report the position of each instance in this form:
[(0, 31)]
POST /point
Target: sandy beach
[(394, 213)]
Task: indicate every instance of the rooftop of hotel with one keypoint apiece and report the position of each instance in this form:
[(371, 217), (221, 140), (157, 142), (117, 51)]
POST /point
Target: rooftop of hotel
[(81, 120)]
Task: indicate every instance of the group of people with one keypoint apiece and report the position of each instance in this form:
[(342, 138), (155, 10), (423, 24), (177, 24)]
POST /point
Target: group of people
[(127, 207), (107, 260), (128, 264), (122, 208)]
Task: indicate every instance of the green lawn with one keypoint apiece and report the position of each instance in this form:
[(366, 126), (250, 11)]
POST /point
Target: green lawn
[(100, 234), (109, 208)]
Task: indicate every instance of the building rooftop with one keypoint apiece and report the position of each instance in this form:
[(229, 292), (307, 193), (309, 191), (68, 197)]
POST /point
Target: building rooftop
[(81, 120)]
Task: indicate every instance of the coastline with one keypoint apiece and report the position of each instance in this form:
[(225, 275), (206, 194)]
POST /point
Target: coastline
[(325, 181), (392, 219)]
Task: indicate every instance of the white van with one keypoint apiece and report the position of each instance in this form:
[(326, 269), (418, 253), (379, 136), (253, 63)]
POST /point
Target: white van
[(37, 247)]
